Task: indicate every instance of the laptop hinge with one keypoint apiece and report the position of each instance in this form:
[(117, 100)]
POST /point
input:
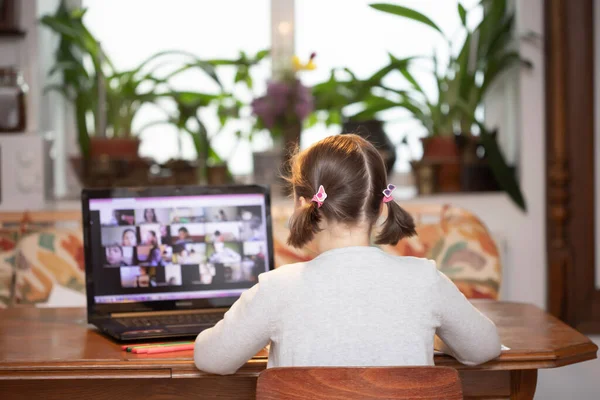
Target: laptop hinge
[(173, 312)]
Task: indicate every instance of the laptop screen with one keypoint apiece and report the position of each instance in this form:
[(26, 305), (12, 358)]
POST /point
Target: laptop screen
[(146, 249)]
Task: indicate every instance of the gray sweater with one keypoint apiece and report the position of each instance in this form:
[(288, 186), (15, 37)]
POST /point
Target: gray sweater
[(353, 306)]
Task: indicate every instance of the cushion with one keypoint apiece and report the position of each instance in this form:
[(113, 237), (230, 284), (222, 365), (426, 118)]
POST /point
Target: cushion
[(46, 259), (7, 275)]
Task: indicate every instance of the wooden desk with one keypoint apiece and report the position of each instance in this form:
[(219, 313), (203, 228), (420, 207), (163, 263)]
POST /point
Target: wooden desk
[(53, 354)]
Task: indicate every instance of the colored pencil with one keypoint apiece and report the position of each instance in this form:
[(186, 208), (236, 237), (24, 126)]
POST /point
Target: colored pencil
[(149, 345), (164, 349)]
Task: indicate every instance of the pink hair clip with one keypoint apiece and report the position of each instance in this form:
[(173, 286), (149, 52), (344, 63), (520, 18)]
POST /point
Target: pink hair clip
[(320, 196), (387, 193)]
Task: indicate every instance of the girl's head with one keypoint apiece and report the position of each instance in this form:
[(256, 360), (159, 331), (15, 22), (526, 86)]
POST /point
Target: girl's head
[(129, 238), (151, 238), (183, 233), (114, 255), (149, 215), (353, 175)]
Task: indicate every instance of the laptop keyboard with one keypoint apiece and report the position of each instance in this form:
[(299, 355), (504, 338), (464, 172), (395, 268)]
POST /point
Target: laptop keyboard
[(178, 320)]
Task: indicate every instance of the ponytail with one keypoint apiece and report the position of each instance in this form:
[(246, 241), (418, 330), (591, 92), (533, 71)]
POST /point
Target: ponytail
[(304, 224), (399, 224)]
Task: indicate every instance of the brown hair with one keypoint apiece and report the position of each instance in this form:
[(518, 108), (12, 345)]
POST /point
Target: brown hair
[(353, 175)]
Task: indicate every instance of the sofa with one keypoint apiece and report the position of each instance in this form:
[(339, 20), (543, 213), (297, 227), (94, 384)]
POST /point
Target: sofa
[(42, 262)]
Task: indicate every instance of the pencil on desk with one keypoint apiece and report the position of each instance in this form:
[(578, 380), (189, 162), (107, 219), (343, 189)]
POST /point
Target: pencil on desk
[(164, 349), (130, 347)]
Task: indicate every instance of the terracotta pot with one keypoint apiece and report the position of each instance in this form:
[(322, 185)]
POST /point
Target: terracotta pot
[(437, 177), (448, 177), (123, 148), (217, 175), (440, 148), (372, 130)]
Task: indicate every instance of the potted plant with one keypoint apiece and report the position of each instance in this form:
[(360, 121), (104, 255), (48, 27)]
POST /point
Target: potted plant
[(212, 167), (283, 109), (348, 101), (108, 97), (485, 54)]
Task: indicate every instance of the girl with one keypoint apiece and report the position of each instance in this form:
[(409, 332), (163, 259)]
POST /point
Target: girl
[(129, 238), (114, 256), (151, 238), (149, 216), (352, 305)]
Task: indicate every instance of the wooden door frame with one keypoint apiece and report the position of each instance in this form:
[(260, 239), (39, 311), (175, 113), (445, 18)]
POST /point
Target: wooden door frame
[(570, 207)]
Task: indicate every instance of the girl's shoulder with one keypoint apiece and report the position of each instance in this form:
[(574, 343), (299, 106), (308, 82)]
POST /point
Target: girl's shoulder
[(421, 268), (281, 275)]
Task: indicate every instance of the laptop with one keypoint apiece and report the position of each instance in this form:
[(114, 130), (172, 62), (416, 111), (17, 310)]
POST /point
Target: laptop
[(169, 261)]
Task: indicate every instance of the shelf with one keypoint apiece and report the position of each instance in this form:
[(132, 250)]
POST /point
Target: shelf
[(12, 33)]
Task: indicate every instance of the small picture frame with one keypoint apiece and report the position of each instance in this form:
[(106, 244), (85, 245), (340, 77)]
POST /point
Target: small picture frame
[(8, 15)]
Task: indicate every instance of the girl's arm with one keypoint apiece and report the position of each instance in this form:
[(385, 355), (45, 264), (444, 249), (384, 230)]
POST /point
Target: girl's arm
[(243, 332), (469, 336)]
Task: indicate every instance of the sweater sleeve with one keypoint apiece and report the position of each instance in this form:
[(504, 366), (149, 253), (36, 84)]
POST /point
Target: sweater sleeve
[(243, 332), (468, 335)]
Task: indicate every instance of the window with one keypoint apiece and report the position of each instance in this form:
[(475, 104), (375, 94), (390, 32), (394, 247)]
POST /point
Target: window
[(351, 34), (132, 30), (343, 34)]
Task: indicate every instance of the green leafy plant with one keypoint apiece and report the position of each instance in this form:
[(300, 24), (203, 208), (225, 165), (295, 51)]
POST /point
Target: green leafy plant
[(84, 66), (485, 54), (345, 97), (228, 105)]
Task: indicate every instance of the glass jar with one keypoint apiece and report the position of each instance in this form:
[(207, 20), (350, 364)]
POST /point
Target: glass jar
[(13, 89)]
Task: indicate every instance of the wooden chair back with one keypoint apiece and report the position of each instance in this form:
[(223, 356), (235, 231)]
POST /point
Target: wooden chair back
[(364, 383)]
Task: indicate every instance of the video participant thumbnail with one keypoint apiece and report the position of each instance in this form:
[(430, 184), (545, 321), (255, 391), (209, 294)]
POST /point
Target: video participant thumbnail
[(182, 234), (117, 217), (119, 235), (153, 216), (189, 254), (223, 232), (119, 256)]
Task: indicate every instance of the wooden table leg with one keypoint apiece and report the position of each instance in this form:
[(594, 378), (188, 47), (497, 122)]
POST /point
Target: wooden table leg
[(522, 384)]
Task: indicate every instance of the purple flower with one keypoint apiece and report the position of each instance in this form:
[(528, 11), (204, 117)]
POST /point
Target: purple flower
[(284, 102)]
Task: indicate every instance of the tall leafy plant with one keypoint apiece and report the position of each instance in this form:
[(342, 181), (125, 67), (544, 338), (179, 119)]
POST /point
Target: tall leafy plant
[(227, 104), (345, 97), (485, 54), (79, 84), (83, 66)]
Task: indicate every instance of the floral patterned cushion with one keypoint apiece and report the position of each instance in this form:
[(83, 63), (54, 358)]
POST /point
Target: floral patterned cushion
[(46, 259), (457, 240), (7, 275), (10, 234)]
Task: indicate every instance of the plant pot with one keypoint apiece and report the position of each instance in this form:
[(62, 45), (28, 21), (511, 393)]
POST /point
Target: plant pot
[(440, 148), (267, 167), (424, 178), (218, 174), (372, 130), (478, 177), (437, 177), (448, 177), (122, 148), (106, 172), (181, 172)]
